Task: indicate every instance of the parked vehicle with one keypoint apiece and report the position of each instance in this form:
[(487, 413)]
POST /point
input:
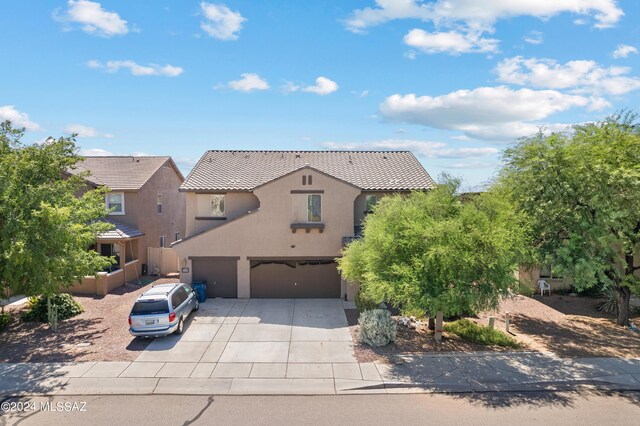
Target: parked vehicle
[(162, 310)]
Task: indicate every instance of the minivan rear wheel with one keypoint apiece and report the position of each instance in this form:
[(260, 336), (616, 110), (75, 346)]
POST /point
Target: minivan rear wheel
[(180, 327)]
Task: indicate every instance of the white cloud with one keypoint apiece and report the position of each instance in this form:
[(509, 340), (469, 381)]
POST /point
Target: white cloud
[(185, 163), (361, 94), (473, 165), (428, 149), (323, 86), (624, 50), (93, 19), (410, 54), (452, 42), (85, 131), (248, 83), (580, 77), (534, 37), (137, 69), (221, 22), (476, 14), (486, 112), (17, 118), (95, 152)]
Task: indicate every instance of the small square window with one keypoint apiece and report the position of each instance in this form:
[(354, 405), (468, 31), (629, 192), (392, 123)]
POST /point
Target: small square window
[(115, 203), (216, 206)]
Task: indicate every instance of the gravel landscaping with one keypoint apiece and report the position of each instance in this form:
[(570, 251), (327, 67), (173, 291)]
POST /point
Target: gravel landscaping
[(100, 333), (414, 341), (559, 325)]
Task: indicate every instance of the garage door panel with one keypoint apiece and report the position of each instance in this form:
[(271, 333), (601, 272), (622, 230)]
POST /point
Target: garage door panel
[(221, 276), (306, 280)]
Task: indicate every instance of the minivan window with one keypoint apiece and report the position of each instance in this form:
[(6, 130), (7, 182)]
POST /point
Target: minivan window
[(175, 299), (150, 307)]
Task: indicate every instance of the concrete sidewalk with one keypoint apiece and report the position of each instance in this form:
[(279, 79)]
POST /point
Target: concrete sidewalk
[(515, 371)]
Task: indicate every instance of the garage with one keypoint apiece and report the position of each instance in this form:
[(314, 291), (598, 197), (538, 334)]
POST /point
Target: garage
[(294, 278), (220, 273)]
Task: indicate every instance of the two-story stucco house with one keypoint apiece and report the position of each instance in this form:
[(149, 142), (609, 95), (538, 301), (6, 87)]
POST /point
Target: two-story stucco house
[(270, 224), (146, 207)]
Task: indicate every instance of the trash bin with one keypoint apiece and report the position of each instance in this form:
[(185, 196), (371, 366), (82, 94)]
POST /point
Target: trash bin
[(200, 287)]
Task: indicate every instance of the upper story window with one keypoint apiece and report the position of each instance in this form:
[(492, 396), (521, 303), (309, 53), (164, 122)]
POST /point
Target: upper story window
[(370, 202), (216, 205), (163, 241), (306, 179), (314, 208), (159, 203), (115, 203)]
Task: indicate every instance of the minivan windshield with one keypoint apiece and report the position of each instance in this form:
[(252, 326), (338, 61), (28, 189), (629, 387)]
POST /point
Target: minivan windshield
[(150, 307)]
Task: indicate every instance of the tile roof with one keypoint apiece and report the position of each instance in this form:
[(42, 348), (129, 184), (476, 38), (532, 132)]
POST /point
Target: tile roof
[(121, 172), (120, 231), (368, 170)]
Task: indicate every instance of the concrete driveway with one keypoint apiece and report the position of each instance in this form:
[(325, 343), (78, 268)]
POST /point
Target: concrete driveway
[(257, 338)]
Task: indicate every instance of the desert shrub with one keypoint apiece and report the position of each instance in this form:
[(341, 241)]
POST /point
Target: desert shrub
[(5, 320), (364, 302), (610, 303), (472, 332), (377, 328), (65, 304)]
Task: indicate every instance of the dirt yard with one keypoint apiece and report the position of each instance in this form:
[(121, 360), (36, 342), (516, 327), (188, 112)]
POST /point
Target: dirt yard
[(100, 333), (565, 326)]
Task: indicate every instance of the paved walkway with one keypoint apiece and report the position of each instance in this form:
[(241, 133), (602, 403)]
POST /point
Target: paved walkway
[(302, 347), (409, 374)]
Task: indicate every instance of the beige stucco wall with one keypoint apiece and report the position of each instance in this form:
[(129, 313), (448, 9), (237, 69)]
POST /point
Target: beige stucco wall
[(267, 233), (529, 276), (235, 204), (141, 210), (360, 205)]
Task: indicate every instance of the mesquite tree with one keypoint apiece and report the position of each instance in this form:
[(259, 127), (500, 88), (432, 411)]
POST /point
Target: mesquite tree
[(581, 192), (436, 251)]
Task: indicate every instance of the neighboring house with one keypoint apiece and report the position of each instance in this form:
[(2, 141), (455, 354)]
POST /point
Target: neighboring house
[(269, 224), (146, 208)]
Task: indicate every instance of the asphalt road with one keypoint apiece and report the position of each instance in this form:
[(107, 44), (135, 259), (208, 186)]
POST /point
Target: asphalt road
[(531, 408)]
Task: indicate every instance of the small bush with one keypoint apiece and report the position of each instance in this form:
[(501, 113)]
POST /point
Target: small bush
[(37, 308), (610, 303), (364, 302), (377, 328), (472, 332), (5, 320)]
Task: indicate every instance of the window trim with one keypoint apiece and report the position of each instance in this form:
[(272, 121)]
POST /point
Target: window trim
[(309, 212), (106, 202)]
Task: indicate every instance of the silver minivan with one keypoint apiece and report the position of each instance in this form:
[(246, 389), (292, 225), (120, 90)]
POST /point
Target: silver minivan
[(162, 310)]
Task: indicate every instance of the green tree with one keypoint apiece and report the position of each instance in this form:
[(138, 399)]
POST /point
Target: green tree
[(581, 191), (46, 226), (436, 251)]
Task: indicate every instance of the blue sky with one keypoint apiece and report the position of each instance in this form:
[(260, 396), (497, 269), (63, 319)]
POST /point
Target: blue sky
[(453, 81)]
